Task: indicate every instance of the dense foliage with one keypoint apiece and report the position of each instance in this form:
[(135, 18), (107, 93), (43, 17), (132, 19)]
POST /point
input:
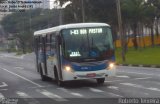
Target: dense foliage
[(136, 14), (22, 24)]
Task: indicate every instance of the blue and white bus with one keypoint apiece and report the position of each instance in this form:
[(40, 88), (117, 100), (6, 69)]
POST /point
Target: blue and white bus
[(75, 52)]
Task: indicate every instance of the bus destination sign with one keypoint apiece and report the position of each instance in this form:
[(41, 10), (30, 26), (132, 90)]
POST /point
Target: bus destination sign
[(86, 31)]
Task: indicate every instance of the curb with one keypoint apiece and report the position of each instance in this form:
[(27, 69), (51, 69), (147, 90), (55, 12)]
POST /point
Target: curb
[(136, 65)]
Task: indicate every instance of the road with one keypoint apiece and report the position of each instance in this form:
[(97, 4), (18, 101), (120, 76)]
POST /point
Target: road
[(19, 79)]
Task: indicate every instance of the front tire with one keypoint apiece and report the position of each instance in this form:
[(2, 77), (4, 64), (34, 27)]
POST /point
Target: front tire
[(100, 80)]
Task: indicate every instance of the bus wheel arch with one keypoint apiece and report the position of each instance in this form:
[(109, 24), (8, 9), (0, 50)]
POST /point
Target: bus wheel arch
[(58, 81), (55, 73)]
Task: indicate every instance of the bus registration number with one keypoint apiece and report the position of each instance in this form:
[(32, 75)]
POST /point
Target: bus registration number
[(91, 75)]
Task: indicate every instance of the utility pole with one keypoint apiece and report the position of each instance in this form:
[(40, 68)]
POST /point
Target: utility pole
[(120, 29), (83, 11), (61, 16), (61, 9), (30, 21)]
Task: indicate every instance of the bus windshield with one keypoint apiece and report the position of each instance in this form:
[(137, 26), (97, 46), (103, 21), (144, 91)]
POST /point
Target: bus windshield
[(87, 44)]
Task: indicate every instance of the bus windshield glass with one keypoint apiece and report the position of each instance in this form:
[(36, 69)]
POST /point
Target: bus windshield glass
[(87, 44)]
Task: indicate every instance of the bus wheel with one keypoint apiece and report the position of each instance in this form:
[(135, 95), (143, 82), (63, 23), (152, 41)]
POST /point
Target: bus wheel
[(100, 80), (60, 83), (43, 77)]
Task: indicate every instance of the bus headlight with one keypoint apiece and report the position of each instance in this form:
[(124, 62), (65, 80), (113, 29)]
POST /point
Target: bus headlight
[(67, 68), (111, 66)]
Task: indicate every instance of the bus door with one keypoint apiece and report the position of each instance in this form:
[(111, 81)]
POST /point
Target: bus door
[(49, 55), (36, 45), (43, 55)]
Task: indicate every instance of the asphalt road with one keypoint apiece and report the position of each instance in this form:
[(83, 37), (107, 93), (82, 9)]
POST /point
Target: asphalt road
[(19, 80)]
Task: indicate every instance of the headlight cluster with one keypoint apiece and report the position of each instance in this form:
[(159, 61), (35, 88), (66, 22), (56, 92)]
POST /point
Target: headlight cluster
[(68, 68), (111, 65)]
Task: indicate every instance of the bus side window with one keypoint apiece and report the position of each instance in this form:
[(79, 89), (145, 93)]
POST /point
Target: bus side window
[(40, 49), (53, 43), (48, 45)]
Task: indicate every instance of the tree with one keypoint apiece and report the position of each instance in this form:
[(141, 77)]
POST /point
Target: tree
[(22, 24), (133, 15), (156, 4), (150, 14)]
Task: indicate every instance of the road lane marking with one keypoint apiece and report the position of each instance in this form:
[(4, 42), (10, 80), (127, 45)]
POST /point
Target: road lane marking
[(131, 84), (123, 76), (22, 77), (1, 56), (3, 89), (72, 93), (130, 79), (100, 91), (113, 87), (153, 89), (142, 78), (14, 56), (22, 94), (21, 68), (3, 84), (115, 94), (51, 95), (136, 73), (140, 86), (76, 94), (95, 90), (1, 96), (27, 98)]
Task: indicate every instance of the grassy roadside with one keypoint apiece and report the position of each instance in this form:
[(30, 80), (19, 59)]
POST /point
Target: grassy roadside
[(142, 56)]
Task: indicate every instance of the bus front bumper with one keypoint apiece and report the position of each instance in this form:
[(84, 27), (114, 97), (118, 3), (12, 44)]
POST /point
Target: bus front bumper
[(79, 75)]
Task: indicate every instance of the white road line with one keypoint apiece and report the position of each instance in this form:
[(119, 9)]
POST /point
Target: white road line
[(131, 84), (115, 94), (3, 84), (143, 78), (76, 94), (136, 73), (113, 87), (13, 56), (51, 95), (72, 93), (123, 76), (22, 77), (95, 90), (22, 94), (3, 89), (18, 68), (140, 86), (28, 98), (1, 96), (153, 89)]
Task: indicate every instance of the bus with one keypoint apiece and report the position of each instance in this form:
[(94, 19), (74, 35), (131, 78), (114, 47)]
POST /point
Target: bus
[(75, 52)]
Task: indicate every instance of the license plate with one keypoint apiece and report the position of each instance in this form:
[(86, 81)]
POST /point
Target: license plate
[(91, 75)]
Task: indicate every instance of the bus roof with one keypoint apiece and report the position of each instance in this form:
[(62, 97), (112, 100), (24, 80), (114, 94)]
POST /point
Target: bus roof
[(68, 26)]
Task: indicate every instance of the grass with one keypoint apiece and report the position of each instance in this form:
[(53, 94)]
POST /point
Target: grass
[(145, 56)]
